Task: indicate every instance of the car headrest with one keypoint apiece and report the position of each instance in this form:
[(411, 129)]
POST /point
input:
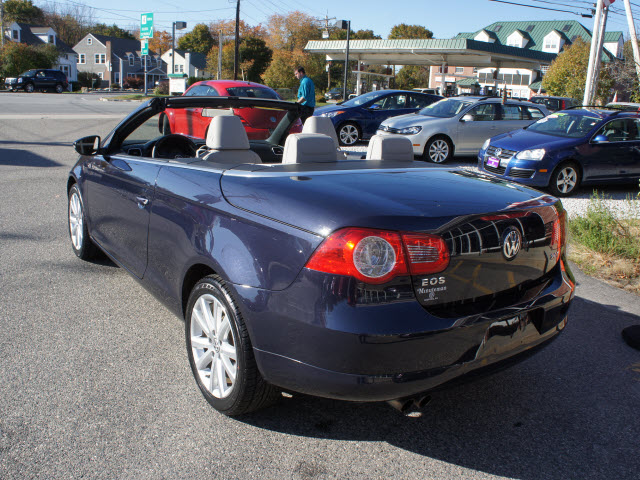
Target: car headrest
[(322, 125), (227, 133), (308, 147), (387, 147)]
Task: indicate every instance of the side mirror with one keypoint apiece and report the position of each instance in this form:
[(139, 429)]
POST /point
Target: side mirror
[(87, 145), (600, 139), (374, 107), (467, 118)]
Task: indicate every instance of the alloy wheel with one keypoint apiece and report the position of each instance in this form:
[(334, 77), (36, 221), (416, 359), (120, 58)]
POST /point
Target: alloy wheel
[(349, 134), (566, 180), (76, 222), (213, 346), (438, 151)]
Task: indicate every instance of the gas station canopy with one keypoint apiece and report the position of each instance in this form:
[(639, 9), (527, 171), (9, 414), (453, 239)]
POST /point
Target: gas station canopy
[(460, 52)]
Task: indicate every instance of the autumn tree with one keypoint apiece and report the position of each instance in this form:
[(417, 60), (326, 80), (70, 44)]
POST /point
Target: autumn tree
[(409, 31), (197, 40), (161, 42), (111, 31), (254, 59), (22, 11), (340, 34), (625, 76), (567, 74), (17, 58), (228, 27), (412, 76), (291, 32)]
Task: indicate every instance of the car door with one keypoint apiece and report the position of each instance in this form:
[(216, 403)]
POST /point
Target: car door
[(119, 193), (630, 167), (41, 80), (386, 107), (473, 133), (605, 160)]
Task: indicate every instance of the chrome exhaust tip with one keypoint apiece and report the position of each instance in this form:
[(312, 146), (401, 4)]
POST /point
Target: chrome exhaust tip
[(407, 405)]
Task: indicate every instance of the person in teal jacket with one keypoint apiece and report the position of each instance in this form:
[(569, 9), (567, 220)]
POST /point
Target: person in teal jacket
[(306, 93)]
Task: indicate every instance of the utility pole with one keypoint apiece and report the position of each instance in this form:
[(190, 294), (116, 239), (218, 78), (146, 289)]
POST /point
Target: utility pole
[(236, 59), (597, 37), (1, 23), (219, 76), (634, 40)]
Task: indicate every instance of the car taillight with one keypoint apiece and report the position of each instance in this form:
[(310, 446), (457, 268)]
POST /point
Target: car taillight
[(563, 105), (559, 234), (376, 256)]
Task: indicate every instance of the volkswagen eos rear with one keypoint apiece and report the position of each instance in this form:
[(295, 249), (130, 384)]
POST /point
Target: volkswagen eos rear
[(411, 286)]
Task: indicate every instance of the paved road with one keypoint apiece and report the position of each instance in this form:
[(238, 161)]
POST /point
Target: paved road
[(94, 380)]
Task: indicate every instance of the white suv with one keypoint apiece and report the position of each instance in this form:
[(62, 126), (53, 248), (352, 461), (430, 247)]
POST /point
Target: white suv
[(460, 124)]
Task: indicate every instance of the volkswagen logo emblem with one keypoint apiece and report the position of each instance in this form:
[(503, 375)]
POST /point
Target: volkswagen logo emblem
[(498, 152), (511, 243)]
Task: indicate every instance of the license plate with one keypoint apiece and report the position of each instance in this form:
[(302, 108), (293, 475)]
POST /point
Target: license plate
[(493, 162)]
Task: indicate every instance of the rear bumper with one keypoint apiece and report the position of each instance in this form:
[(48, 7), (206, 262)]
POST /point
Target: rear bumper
[(315, 338)]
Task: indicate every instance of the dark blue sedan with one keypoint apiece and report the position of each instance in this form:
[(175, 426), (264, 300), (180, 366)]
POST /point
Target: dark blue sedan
[(359, 118), (297, 270), (567, 149)]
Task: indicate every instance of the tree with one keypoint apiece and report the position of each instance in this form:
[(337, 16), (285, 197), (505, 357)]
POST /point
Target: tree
[(197, 40), (292, 31), (68, 27), (111, 31), (161, 42), (339, 34), (624, 75), (17, 58), (412, 76), (22, 11), (567, 74), (409, 31), (254, 59), (228, 27)]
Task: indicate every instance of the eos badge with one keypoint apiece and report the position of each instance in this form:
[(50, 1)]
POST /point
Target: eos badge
[(511, 243)]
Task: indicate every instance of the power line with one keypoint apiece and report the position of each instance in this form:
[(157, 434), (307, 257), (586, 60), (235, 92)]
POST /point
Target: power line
[(542, 8)]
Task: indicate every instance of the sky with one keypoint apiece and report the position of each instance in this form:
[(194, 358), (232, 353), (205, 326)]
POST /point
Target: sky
[(445, 18)]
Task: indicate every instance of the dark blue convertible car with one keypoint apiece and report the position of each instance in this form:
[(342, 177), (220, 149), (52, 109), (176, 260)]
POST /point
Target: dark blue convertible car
[(295, 269)]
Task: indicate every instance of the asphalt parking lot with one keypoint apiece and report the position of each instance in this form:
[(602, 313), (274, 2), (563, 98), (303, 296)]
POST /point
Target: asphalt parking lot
[(95, 383)]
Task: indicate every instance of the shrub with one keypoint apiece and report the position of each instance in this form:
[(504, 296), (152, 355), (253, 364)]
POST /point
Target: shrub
[(134, 82), (192, 80), (88, 79), (162, 88)]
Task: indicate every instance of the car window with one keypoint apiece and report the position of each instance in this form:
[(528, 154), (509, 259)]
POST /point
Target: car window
[(620, 130), (565, 125), (418, 101), (484, 113), (511, 112), (391, 102), (201, 91), (145, 132), (445, 108), (531, 113), (29, 73), (252, 92), (364, 98), (40, 74)]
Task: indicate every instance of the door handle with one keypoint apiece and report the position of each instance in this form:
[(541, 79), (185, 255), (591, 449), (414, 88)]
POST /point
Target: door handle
[(142, 201)]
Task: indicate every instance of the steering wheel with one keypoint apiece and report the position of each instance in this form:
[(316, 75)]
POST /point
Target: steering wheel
[(174, 146)]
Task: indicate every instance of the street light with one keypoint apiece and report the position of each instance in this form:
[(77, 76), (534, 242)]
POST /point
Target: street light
[(179, 26), (345, 25)]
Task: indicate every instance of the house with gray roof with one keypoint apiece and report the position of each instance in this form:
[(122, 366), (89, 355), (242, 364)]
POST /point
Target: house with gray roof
[(115, 59), (192, 64), (534, 36), (37, 35)]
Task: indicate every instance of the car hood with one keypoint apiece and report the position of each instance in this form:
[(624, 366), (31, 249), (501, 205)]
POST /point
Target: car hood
[(523, 139), (320, 199), (329, 108), (409, 120)]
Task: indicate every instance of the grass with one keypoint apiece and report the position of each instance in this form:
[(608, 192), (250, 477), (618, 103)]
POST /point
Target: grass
[(136, 96), (606, 245)]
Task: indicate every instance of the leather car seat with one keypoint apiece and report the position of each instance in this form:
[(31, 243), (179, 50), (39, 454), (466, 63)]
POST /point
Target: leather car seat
[(324, 125), (387, 147), (228, 142), (308, 147)]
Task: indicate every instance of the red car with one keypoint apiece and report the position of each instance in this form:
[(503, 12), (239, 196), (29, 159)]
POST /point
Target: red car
[(258, 122)]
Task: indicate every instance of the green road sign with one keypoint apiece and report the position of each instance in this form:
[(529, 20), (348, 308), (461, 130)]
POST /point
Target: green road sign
[(146, 25), (144, 46)]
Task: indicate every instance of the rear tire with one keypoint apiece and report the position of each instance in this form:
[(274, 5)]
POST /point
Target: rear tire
[(438, 150), (565, 179), (81, 243), (220, 351), (59, 88)]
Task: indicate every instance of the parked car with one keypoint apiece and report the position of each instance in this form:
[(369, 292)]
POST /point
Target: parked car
[(39, 79), (554, 104), (460, 125), (336, 94), (257, 122), (624, 106), (566, 149), (358, 119), (432, 91), (399, 280)]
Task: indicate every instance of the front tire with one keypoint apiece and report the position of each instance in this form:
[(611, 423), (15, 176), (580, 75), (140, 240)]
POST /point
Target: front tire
[(438, 150), (29, 88), (565, 179), (220, 351), (82, 245), (348, 134)]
